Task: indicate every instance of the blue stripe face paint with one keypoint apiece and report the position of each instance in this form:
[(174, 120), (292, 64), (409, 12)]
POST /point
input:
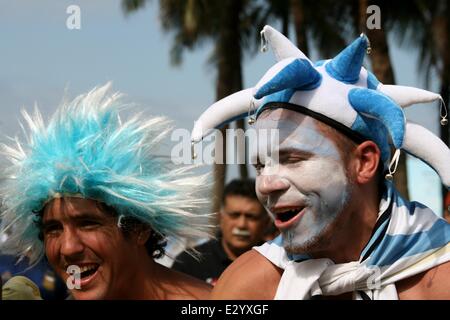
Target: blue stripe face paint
[(301, 179)]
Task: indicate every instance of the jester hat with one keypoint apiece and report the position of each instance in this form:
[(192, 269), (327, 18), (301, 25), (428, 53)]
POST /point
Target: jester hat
[(341, 93), (88, 151)]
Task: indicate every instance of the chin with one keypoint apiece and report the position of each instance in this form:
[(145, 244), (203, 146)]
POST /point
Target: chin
[(297, 244), (88, 294), (299, 241), (302, 247)]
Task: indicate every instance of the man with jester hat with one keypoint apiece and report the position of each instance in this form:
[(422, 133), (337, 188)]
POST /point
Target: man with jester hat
[(326, 180)]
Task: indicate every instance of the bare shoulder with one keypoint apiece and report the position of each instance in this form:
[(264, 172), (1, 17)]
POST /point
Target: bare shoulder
[(179, 286), (249, 277), (433, 284), (195, 289)]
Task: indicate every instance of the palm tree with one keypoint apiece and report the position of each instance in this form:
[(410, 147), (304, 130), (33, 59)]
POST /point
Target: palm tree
[(380, 61), (228, 55), (324, 24), (426, 25), (316, 23), (227, 23)]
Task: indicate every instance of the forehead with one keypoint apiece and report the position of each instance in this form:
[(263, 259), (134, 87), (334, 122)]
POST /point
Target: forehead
[(242, 204), (68, 207), (283, 114), (285, 128)]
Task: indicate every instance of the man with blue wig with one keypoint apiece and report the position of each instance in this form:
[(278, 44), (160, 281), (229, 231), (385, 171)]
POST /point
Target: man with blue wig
[(326, 180), (89, 191)]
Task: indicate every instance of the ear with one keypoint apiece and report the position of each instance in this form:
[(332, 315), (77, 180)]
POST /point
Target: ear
[(367, 157), (143, 235), (220, 213)]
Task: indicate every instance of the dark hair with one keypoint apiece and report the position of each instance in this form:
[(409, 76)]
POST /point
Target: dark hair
[(240, 187), (156, 242)]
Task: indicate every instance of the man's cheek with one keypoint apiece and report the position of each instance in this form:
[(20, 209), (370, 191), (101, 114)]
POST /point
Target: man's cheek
[(50, 252), (262, 198)]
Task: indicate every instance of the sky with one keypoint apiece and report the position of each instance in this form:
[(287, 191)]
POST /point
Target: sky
[(41, 60)]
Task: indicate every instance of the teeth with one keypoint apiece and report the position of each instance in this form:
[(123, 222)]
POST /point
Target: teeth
[(88, 267), (290, 211)]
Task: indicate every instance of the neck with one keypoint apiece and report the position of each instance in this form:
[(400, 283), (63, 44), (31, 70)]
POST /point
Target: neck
[(352, 230), (231, 254), (143, 280), (162, 283)]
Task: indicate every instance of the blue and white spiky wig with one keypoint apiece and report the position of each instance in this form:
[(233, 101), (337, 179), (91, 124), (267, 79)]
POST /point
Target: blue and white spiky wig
[(341, 93), (86, 150)]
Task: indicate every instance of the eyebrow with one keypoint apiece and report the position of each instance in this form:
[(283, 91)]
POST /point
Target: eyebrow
[(50, 222), (247, 214), (77, 216), (284, 152), (287, 151)]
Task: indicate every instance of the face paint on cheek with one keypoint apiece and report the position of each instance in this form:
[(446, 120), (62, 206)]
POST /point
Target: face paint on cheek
[(324, 183), (317, 180), (320, 215), (334, 190)]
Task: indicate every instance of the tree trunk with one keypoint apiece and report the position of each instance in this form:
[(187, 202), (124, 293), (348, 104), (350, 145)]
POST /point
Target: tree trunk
[(441, 34), (362, 15), (382, 68), (285, 18), (444, 130), (243, 170), (229, 78), (298, 14)]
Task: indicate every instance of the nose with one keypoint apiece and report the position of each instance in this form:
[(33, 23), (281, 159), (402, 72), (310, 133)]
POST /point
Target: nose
[(242, 222), (267, 184), (71, 244)]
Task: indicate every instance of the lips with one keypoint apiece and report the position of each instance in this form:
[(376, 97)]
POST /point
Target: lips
[(286, 217), (88, 270), (88, 276), (241, 233), (88, 273)]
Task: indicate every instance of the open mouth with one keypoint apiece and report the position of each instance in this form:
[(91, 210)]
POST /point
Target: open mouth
[(285, 218), (88, 270), (81, 276)]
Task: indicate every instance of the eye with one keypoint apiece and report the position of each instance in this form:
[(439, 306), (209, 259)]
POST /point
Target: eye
[(88, 224), (258, 167), (52, 229), (252, 217), (234, 215), (292, 158)]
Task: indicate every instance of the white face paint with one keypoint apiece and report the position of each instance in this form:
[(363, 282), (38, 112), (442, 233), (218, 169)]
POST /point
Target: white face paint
[(306, 189)]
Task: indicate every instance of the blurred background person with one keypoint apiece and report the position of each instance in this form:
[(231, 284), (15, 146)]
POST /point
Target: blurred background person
[(243, 223), (20, 288), (42, 274)]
